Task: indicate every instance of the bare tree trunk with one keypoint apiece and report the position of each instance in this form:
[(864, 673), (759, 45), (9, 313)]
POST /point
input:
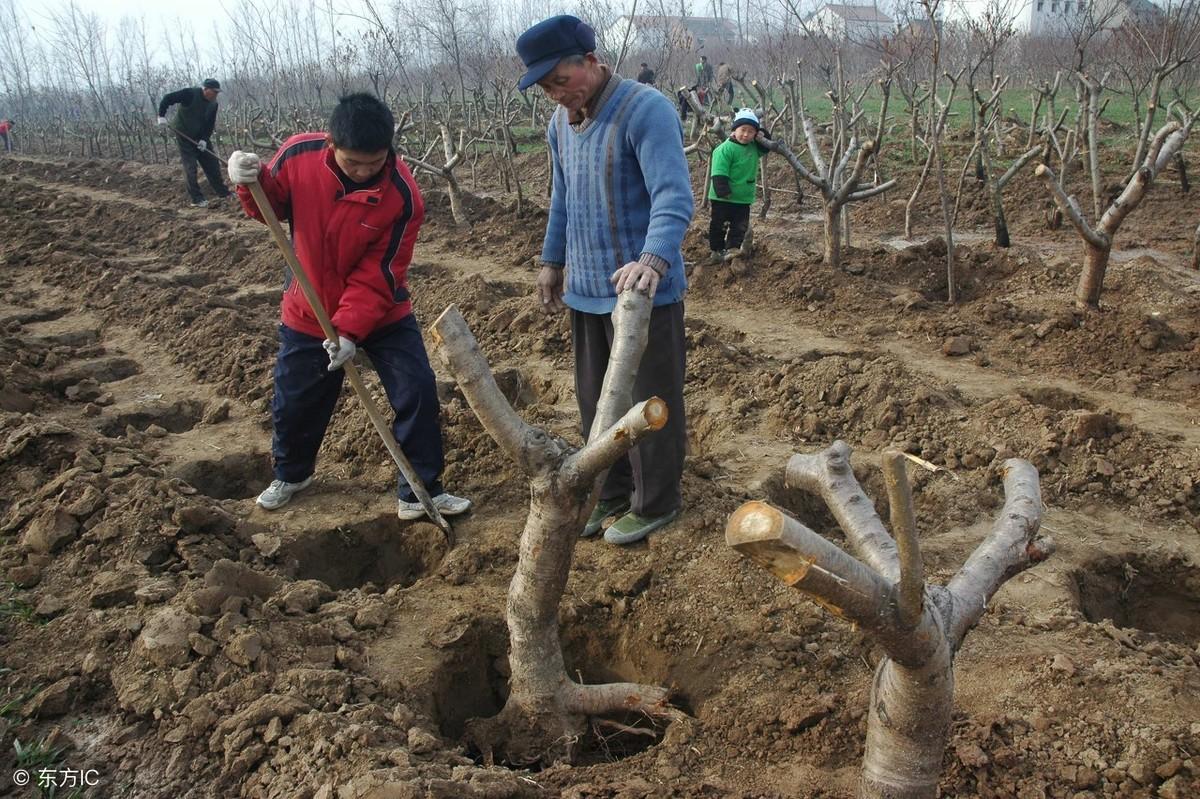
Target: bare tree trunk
[(546, 711), (457, 210), (833, 236), (1196, 248), (996, 185), (912, 198), (999, 222), (766, 190), (948, 221), (1091, 282)]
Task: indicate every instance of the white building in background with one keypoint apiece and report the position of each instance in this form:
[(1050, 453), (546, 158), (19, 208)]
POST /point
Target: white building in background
[(858, 23), (1053, 17)]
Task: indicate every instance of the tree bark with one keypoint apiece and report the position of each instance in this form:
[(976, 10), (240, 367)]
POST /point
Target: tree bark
[(833, 236), (1091, 281), (546, 711)]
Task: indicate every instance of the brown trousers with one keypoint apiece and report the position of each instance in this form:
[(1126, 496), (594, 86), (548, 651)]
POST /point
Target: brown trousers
[(650, 475)]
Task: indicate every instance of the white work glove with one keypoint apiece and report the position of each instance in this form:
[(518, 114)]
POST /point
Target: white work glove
[(202, 145), (339, 352), (243, 167), (162, 122)]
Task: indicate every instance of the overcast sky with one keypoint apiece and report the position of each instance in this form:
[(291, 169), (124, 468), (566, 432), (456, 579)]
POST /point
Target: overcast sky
[(158, 13)]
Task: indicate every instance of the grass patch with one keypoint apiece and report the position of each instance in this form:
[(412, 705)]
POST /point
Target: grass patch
[(13, 701), (39, 755), (14, 607)]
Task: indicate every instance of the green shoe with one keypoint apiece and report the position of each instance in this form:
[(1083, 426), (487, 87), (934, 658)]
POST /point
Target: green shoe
[(631, 527), (604, 509)]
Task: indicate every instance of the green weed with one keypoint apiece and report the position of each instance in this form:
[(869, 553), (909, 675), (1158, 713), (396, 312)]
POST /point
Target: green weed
[(37, 756)]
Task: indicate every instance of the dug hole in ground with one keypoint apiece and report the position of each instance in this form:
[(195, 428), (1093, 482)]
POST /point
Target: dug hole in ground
[(159, 629)]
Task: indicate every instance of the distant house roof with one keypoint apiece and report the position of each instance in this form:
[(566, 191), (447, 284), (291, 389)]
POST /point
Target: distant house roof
[(716, 27), (857, 13), (1143, 9)]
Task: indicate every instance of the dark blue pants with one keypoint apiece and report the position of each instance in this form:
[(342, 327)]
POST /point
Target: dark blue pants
[(306, 393)]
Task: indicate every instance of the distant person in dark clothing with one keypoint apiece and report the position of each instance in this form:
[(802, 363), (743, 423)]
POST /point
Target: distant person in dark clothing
[(195, 120), (5, 126), (725, 82), (684, 107), (646, 75)]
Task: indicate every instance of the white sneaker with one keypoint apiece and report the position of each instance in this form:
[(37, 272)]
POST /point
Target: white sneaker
[(279, 493), (447, 505), (200, 203)]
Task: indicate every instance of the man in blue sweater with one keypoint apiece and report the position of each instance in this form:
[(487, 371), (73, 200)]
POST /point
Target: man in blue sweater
[(620, 205)]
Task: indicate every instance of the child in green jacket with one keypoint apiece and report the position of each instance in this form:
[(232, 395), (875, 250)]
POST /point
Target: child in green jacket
[(733, 186)]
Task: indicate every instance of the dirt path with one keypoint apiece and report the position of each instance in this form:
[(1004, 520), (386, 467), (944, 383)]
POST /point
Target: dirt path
[(328, 649)]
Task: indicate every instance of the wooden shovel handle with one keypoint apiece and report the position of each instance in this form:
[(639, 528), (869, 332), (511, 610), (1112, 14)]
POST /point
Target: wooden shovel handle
[(381, 426)]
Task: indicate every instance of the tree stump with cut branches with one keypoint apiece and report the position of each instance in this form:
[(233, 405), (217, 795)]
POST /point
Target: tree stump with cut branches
[(546, 712), (919, 626)]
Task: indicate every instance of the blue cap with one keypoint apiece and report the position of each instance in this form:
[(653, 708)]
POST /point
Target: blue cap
[(550, 41)]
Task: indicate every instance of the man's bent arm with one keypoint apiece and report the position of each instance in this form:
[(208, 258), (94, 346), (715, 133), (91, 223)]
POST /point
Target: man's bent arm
[(181, 97)]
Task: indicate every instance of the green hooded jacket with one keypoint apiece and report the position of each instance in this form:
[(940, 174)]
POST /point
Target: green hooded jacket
[(739, 163)]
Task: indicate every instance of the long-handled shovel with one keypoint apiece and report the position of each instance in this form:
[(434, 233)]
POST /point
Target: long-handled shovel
[(406, 468), (207, 148)]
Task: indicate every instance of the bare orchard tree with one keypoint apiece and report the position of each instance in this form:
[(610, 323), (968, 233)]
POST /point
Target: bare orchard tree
[(988, 112), (1098, 240), (1043, 94), (80, 41), (935, 131), (837, 175), (1164, 44), (919, 626), (986, 36), (546, 711), (938, 108), (453, 157), (16, 57)]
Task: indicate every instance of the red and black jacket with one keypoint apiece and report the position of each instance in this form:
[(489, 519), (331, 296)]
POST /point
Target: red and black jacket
[(355, 246)]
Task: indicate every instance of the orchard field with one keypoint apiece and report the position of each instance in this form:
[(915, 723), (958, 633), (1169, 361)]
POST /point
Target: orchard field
[(159, 628)]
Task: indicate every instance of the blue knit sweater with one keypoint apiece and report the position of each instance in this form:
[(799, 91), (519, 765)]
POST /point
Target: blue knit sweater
[(621, 190)]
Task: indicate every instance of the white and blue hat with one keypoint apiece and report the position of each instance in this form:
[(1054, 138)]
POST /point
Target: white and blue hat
[(746, 116)]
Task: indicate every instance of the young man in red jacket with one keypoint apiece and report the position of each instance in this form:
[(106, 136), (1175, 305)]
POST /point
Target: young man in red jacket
[(355, 211)]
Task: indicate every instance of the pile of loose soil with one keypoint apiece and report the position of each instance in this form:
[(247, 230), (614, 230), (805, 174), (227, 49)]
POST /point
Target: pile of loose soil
[(161, 629)]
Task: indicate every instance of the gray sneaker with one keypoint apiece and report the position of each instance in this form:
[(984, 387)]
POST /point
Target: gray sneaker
[(280, 493), (447, 505), (200, 203)]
